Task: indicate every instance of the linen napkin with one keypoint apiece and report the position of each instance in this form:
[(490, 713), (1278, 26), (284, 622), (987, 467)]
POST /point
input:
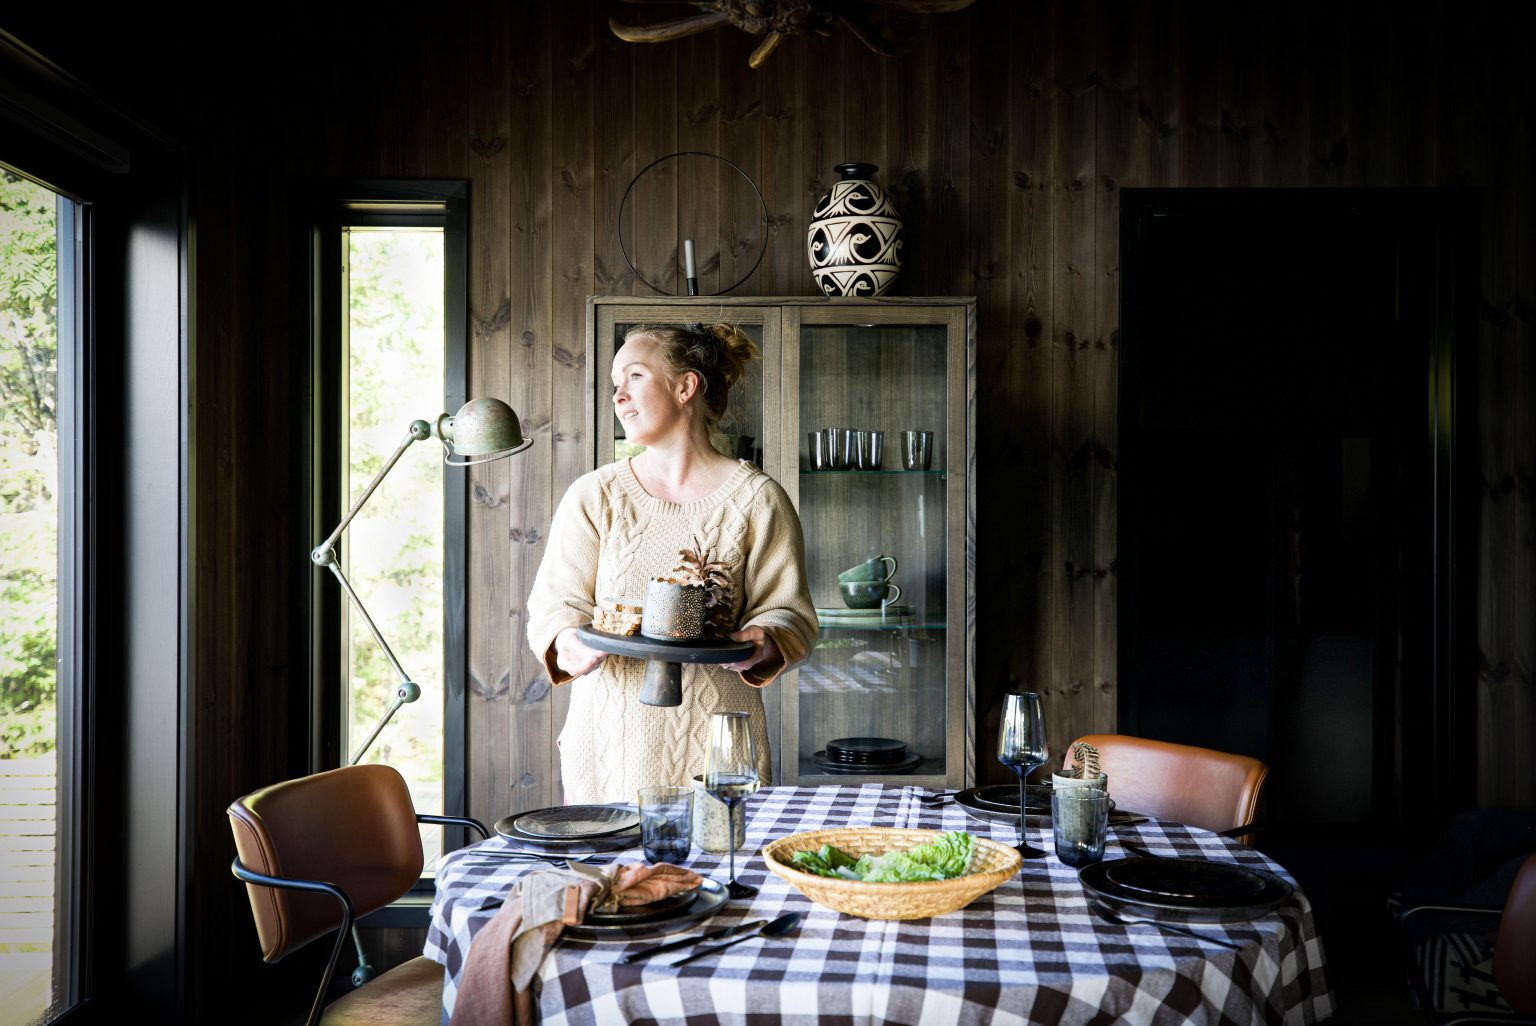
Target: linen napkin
[(506, 953)]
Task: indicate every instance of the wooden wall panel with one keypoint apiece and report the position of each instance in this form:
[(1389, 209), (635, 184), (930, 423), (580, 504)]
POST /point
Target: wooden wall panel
[(1006, 133), (493, 643), (533, 770), (1001, 133)]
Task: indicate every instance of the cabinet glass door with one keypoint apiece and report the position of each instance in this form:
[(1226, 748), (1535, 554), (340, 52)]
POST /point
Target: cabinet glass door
[(873, 487), (740, 432)]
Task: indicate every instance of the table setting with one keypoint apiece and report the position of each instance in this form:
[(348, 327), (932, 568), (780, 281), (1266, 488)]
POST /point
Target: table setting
[(1131, 920)]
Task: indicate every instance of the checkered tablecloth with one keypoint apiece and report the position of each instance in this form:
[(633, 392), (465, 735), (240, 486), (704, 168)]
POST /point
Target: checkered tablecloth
[(1029, 952)]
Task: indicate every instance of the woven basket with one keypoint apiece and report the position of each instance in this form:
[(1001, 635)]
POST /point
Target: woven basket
[(991, 864)]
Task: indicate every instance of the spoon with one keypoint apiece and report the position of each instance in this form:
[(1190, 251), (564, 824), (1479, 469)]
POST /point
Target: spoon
[(778, 928), (1109, 917)]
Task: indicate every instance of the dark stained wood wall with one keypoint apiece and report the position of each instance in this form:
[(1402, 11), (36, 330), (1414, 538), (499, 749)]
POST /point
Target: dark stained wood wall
[(1005, 136)]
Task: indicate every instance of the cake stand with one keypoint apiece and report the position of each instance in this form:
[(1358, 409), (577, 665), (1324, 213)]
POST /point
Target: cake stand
[(664, 659)]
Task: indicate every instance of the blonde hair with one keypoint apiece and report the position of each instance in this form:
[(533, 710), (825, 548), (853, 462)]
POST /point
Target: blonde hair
[(717, 353)]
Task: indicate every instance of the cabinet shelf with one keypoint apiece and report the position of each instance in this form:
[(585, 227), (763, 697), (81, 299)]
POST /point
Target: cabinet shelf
[(888, 365), (939, 626), (874, 473)]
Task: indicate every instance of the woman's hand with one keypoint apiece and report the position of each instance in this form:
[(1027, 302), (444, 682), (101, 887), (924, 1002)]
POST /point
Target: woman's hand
[(573, 656), (764, 650)]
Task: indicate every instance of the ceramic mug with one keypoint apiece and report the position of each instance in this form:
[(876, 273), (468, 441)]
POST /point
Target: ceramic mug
[(869, 594), (869, 570)]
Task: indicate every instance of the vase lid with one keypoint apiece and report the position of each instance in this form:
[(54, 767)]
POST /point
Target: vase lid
[(848, 171)]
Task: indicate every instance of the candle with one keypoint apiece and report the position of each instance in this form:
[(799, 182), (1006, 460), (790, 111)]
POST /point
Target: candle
[(688, 271)]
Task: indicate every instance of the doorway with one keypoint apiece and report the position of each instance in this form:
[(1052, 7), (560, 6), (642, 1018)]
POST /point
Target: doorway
[(1290, 513), (1295, 530)]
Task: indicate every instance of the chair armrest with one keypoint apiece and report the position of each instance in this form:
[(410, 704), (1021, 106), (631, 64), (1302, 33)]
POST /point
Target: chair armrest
[(1484, 910), (348, 916), (463, 821)]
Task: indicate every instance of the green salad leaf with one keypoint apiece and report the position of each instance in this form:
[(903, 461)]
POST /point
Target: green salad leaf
[(944, 858)]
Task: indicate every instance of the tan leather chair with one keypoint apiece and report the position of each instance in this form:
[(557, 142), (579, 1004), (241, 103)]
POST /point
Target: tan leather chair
[(321, 851), (1198, 786), (1514, 953)]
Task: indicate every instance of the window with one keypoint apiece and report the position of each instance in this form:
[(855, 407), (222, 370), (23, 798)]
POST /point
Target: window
[(39, 687), (393, 354)]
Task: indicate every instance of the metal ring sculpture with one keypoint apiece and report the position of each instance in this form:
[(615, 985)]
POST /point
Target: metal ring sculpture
[(762, 249)]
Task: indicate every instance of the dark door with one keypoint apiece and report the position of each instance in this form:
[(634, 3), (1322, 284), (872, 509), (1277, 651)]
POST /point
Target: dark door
[(1288, 518)]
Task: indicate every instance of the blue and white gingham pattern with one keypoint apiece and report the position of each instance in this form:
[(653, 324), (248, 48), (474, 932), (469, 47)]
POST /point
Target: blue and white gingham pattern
[(1029, 952)]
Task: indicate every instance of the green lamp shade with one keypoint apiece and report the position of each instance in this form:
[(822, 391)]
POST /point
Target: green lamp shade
[(482, 427)]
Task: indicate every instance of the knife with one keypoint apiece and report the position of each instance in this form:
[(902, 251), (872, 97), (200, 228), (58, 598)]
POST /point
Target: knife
[(727, 931)]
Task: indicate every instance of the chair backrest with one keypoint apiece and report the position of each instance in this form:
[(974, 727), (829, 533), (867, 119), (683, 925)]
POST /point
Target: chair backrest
[(353, 827), (1514, 950), (1198, 786)]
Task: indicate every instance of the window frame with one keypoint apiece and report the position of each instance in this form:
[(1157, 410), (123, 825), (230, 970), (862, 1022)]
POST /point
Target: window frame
[(385, 203), (125, 537)]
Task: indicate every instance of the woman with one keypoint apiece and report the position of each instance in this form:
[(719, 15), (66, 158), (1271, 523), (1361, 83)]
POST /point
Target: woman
[(625, 523)]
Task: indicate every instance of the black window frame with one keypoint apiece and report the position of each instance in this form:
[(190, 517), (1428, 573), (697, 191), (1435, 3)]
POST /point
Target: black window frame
[(386, 203), (126, 847)]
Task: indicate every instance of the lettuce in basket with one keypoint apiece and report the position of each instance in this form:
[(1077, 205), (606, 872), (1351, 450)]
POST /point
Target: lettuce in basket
[(944, 858)]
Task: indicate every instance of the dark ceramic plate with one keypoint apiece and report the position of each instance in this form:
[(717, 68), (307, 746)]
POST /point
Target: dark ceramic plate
[(707, 900), (644, 913), (856, 749), (509, 828), (1194, 888), (1192, 880), (576, 822), (867, 769), (990, 802), (1005, 798)]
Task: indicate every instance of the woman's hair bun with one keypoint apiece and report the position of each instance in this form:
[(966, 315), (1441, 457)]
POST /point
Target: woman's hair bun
[(736, 351)]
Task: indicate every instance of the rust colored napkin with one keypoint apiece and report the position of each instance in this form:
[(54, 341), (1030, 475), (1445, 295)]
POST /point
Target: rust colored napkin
[(506, 953)]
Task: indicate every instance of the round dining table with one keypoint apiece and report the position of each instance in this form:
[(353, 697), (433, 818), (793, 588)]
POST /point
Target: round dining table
[(1031, 951)]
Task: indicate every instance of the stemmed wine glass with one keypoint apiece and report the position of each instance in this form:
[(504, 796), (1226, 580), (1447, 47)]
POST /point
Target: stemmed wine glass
[(1021, 747), (730, 774)]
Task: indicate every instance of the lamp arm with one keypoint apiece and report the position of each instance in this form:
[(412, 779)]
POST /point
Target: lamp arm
[(324, 555)]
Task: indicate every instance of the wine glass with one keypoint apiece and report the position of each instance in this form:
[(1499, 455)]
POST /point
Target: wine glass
[(730, 774), (1021, 747)]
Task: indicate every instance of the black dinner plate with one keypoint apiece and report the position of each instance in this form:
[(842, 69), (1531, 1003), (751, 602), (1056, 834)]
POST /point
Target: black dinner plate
[(990, 811), (866, 749), (867, 769), (508, 828), (1005, 798), (1194, 888), (577, 822), (644, 913), (861, 761), (707, 900)]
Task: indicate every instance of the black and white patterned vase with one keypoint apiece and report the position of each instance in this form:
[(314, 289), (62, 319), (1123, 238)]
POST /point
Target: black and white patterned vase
[(855, 236)]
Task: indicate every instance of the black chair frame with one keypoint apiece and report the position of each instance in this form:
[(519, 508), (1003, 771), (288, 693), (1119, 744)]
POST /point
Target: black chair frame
[(1421, 986), (348, 926)]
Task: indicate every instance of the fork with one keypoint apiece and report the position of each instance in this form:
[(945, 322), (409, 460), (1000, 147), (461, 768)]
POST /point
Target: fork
[(1109, 917), (937, 799), (491, 858)]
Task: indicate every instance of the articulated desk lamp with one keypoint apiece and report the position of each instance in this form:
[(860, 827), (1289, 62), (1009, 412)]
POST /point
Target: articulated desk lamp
[(482, 431)]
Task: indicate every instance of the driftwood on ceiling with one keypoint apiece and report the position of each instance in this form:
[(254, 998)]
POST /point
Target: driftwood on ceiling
[(878, 24)]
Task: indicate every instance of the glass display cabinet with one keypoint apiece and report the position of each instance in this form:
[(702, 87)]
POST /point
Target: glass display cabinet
[(839, 380)]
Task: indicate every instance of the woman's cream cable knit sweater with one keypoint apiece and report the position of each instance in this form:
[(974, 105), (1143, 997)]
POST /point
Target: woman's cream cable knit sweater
[(609, 537)]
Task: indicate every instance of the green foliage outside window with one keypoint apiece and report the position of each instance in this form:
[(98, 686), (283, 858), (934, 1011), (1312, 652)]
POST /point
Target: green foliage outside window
[(394, 550), (28, 467)]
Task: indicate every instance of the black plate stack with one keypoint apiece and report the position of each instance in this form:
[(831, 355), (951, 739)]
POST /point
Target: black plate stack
[(867, 755)]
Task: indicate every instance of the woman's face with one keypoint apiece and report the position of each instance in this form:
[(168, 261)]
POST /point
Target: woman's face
[(648, 404)]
